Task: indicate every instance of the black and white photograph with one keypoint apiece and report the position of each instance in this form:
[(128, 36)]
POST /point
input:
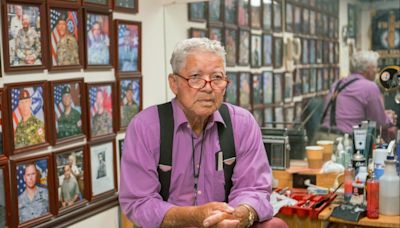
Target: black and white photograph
[(102, 167)]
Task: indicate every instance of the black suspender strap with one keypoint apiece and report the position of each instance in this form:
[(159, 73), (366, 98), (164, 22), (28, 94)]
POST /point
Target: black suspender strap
[(332, 102), (227, 145), (226, 142), (166, 116)]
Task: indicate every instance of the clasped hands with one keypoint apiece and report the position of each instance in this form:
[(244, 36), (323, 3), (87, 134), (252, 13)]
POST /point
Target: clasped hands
[(217, 214)]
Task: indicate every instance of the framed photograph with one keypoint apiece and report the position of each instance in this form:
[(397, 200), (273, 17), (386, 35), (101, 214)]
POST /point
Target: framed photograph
[(278, 84), (268, 87), (70, 170), (215, 33), (126, 6), (25, 26), (230, 12), (214, 11), (318, 51), (325, 75), (337, 53), (351, 20), (4, 195), (312, 50), (103, 168), (257, 90), (100, 109), (120, 147), (68, 105), (255, 7), (1, 125), (297, 86), (319, 23), (267, 49), (312, 22), (304, 51), (259, 116), (278, 52), (104, 4), (31, 184), (313, 80), (129, 51), (243, 13), (289, 17), (244, 90), (288, 95), (231, 94), (277, 15), (130, 99), (289, 116), (98, 39), (255, 50), (27, 104), (298, 111), (279, 117), (268, 117), (230, 46), (297, 26), (305, 80), (197, 11), (306, 21), (65, 38), (325, 25), (326, 54), (267, 15), (320, 79), (197, 33), (244, 47)]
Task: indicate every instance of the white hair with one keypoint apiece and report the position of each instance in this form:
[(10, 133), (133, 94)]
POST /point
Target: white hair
[(362, 60), (189, 46)]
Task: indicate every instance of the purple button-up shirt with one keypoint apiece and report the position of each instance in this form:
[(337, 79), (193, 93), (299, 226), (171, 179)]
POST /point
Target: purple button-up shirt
[(361, 100), (139, 186)]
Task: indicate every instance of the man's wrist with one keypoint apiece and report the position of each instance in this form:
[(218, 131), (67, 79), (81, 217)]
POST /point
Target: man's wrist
[(252, 214)]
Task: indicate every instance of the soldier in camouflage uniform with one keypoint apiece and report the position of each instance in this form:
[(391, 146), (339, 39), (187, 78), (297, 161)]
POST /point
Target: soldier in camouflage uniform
[(30, 130), (129, 109), (27, 44), (34, 201), (101, 122), (67, 46), (69, 123)]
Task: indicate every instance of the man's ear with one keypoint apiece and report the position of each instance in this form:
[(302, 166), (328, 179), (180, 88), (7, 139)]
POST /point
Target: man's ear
[(173, 83)]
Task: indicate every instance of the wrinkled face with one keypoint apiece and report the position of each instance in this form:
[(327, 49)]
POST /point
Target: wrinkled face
[(62, 27), (18, 10), (30, 176), (67, 172), (198, 102), (96, 29), (25, 22), (66, 100), (370, 74), (24, 107)]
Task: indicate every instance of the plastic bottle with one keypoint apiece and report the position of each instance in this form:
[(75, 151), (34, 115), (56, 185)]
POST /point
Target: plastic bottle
[(340, 152), (348, 147), (373, 198), (360, 180), (348, 182), (389, 189)]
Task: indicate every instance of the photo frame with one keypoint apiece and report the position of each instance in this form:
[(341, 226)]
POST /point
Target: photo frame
[(318, 51), (277, 15), (313, 80), (130, 100), (258, 115), (244, 90), (103, 169), (306, 21), (304, 51), (243, 13), (312, 23), (128, 47), (31, 174), (255, 15), (298, 111), (320, 79), (65, 37), (100, 109), (305, 80), (278, 91), (312, 51), (325, 73), (100, 4), (197, 11), (289, 116), (267, 15), (297, 25), (257, 91), (126, 6), (267, 49), (279, 117), (256, 55), (278, 52), (231, 94), (297, 85), (5, 220), (28, 105), (268, 87), (22, 54), (215, 11), (98, 39), (351, 21), (288, 94), (289, 17), (230, 40), (268, 117), (215, 33), (2, 135), (70, 168), (244, 47), (197, 33), (68, 110), (230, 12)]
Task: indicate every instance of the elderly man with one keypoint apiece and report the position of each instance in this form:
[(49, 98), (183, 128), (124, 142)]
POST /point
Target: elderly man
[(355, 98), (34, 201), (69, 188), (194, 195), (27, 44)]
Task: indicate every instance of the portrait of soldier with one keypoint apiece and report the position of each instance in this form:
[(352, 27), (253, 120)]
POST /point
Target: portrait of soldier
[(101, 169), (101, 121), (69, 188), (34, 201), (98, 43), (66, 46), (27, 44), (129, 106), (127, 52), (69, 122), (30, 130)]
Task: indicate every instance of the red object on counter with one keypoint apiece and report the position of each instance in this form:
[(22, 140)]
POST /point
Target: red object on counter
[(373, 198)]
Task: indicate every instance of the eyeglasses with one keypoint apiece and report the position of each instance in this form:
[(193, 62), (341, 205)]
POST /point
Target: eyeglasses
[(218, 81)]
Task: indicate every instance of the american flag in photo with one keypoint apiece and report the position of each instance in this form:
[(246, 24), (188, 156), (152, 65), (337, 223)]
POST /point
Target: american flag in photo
[(107, 98), (121, 31), (58, 105), (36, 107), (133, 29), (41, 167), (72, 27), (135, 88), (92, 100)]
